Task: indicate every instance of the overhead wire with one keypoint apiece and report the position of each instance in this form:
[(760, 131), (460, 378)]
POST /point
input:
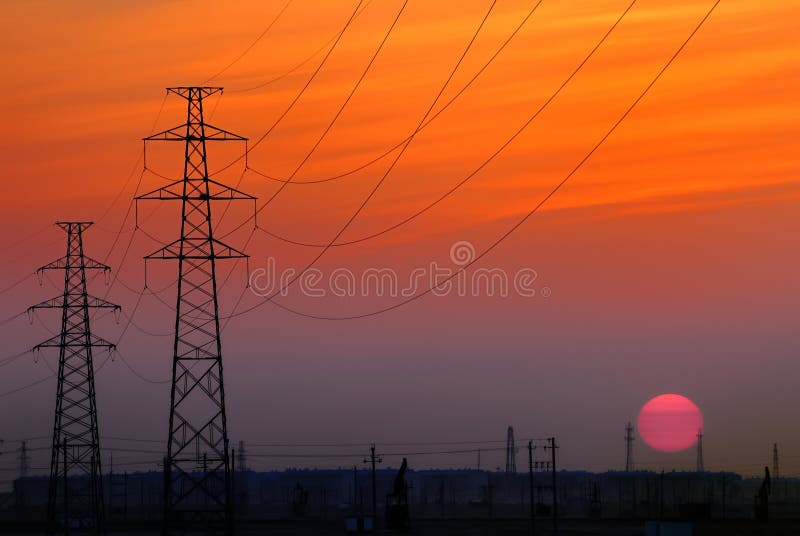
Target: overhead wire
[(408, 141), (250, 47), (325, 131), (293, 103), (298, 96), (298, 66), (480, 167), (366, 200), (432, 118), (527, 216)]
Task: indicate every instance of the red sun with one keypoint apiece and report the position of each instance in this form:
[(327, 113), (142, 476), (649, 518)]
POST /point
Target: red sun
[(670, 422)]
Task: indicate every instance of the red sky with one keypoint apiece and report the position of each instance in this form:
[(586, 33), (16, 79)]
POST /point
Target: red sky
[(669, 254)]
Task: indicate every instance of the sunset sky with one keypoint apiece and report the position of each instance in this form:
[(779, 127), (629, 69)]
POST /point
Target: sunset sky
[(668, 258)]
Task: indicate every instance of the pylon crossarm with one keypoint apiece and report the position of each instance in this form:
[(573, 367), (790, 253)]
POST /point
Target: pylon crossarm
[(196, 249), (210, 133), (58, 302), (75, 342), (174, 192), (64, 262), (187, 91), (224, 192), (176, 133)]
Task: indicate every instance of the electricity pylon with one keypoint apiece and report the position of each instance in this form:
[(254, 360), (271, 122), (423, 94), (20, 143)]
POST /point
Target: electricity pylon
[(75, 499), (700, 465), (197, 467), (511, 452), (775, 467), (629, 447)]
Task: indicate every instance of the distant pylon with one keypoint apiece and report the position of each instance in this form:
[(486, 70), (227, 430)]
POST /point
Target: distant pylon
[(197, 489), (76, 444), (775, 467), (241, 457), (23, 460), (629, 447), (700, 467), (511, 452), (241, 481)]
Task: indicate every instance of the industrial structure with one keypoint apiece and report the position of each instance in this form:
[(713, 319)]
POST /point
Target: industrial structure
[(511, 452), (775, 466), (198, 465), (700, 465), (75, 498), (629, 447)]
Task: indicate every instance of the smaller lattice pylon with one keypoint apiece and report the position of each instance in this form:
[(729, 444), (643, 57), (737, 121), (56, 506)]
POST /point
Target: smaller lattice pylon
[(75, 494)]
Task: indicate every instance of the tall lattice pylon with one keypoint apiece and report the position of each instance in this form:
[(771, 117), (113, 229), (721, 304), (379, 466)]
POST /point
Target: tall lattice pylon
[(197, 494), (75, 500)]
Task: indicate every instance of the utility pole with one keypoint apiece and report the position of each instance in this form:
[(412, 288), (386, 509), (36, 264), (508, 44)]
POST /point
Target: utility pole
[(241, 457), (629, 447), (23, 460), (724, 496), (530, 485), (21, 494), (373, 459), (242, 487), (76, 441), (356, 509), (700, 467), (553, 448), (198, 428), (511, 452)]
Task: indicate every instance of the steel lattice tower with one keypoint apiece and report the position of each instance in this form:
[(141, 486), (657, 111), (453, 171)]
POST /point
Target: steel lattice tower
[(75, 499), (197, 467), (700, 465), (629, 447), (511, 452), (775, 467)]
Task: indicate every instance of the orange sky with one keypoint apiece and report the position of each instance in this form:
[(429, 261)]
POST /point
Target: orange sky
[(707, 164)]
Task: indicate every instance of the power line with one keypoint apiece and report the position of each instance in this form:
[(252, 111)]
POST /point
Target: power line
[(338, 112), (527, 216), (135, 165), (139, 375), (406, 144), (15, 284), (481, 166), (26, 386), (10, 359), (296, 67), (382, 179), (296, 98), (321, 137), (249, 48), (399, 144)]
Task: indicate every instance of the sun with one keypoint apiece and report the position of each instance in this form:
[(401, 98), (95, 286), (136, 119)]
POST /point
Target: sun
[(670, 422)]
